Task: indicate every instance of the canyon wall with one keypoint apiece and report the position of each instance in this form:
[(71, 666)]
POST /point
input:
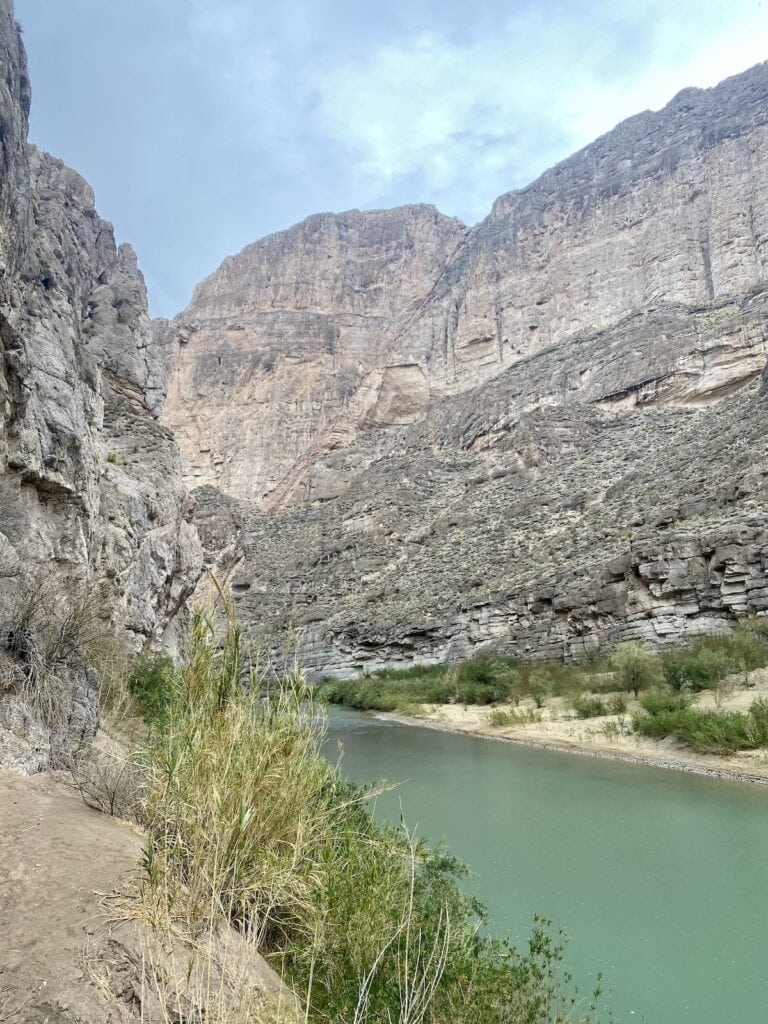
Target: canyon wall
[(407, 440), (555, 436), (95, 539), (347, 324)]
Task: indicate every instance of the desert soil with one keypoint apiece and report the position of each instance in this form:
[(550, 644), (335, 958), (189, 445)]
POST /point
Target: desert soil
[(559, 729)]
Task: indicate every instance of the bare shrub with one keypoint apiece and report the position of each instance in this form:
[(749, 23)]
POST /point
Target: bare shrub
[(111, 782)]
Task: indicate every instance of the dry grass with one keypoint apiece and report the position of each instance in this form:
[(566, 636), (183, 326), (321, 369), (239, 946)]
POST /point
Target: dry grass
[(251, 829)]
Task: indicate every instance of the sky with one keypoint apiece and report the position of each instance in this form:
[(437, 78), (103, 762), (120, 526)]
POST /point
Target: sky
[(203, 125)]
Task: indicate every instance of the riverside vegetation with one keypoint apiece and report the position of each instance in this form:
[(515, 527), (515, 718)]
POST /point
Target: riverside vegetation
[(248, 825), (665, 683)]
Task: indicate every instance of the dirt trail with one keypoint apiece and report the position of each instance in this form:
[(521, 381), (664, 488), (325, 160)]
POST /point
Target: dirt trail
[(65, 959), (57, 859)]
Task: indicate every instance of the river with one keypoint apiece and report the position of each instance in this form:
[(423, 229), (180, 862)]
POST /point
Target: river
[(659, 878)]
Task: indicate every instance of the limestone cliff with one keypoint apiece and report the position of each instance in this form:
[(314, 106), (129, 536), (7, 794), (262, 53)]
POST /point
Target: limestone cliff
[(290, 348), (94, 531), (554, 438), (346, 324)]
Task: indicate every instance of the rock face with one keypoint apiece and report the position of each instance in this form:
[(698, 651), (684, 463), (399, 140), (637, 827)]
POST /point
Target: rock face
[(292, 346), (93, 517), (549, 434), (347, 324)]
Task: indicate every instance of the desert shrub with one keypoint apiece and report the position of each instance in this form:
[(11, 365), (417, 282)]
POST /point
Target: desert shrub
[(617, 705), (661, 699), (699, 667), (589, 707), (248, 822), (110, 782), (516, 716), (708, 732), (636, 668), (150, 681), (708, 660)]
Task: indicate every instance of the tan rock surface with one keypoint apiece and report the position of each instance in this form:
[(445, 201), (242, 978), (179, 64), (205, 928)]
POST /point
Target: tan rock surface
[(652, 238)]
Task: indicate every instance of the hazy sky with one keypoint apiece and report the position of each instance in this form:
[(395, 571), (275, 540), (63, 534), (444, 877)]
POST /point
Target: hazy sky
[(205, 124)]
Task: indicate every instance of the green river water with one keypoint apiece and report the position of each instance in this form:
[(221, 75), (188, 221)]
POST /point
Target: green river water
[(659, 878)]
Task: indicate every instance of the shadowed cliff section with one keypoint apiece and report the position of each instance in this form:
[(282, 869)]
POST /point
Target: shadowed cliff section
[(96, 551)]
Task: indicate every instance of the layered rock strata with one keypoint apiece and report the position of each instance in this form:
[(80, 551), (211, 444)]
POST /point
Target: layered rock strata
[(654, 237), (554, 439)]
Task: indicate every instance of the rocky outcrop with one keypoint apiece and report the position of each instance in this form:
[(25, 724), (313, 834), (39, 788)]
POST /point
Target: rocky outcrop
[(290, 347), (93, 514), (650, 246), (546, 533)]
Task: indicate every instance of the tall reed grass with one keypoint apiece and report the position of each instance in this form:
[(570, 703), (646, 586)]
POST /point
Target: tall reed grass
[(250, 825)]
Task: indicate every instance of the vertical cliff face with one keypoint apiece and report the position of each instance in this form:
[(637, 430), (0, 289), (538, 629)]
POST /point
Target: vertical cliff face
[(294, 354), (553, 440), (290, 347), (670, 209), (92, 504)]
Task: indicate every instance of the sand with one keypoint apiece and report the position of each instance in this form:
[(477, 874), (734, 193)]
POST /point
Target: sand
[(608, 736)]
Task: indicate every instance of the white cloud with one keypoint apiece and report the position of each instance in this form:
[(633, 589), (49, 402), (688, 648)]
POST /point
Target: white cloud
[(470, 120)]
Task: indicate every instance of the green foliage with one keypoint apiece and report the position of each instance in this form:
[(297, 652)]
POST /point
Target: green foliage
[(589, 707), (708, 660), (248, 821), (706, 732), (489, 679), (660, 699), (479, 681), (151, 683), (635, 667)]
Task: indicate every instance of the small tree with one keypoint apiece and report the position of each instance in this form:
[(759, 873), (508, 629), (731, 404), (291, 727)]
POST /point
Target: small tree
[(636, 667)]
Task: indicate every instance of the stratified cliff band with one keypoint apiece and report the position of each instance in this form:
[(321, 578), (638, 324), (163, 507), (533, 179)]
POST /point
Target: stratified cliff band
[(414, 439)]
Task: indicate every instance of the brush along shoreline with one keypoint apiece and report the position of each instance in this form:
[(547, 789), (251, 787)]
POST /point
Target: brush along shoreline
[(587, 742)]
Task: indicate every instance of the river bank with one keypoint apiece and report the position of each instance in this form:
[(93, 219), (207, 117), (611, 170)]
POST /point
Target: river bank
[(555, 727)]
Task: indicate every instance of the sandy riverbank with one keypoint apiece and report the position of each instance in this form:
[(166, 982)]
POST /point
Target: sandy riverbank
[(609, 736)]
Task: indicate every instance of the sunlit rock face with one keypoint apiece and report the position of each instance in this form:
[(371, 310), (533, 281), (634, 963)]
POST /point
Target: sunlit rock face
[(93, 508), (540, 434), (656, 235), (293, 347)]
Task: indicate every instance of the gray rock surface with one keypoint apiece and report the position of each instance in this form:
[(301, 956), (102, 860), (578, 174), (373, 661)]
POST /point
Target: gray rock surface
[(93, 508), (555, 438)]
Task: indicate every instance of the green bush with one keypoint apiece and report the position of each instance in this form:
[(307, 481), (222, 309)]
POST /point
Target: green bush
[(708, 732), (658, 700), (636, 668), (708, 660), (700, 667), (589, 707), (151, 682)]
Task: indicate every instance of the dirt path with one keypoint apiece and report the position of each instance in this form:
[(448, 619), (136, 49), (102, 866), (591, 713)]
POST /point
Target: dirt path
[(65, 959), (57, 859)]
